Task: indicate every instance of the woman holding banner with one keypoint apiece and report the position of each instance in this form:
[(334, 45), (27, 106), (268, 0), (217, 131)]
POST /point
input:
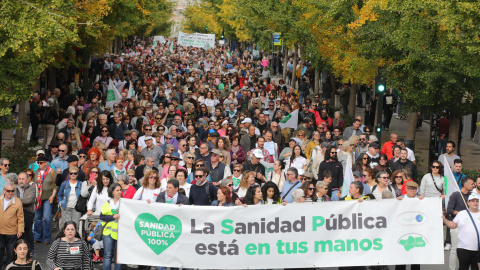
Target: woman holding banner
[(254, 196), (109, 217)]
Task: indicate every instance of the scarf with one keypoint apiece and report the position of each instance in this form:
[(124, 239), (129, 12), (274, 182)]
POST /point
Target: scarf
[(40, 179), (172, 200)]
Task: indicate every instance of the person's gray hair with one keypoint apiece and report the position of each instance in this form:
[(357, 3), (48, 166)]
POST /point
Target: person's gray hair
[(168, 146), (173, 127), (124, 178), (116, 114), (50, 101), (149, 158), (225, 182), (26, 175), (132, 151), (2, 160), (73, 143), (358, 185), (35, 95), (102, 115), (297, 194), (293, 170), (109, 151), (338, 112), (386, 194), (8, 184), (12, 177), (373, 138), (321, 184)]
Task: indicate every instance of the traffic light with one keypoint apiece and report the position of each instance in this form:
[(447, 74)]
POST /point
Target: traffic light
[(379, 128), (223, 33), (380, 83)]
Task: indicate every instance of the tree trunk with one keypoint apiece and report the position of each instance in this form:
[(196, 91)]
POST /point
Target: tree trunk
[(317, 81), (295, 58), (52, 79), (412, 118), (300, 49), (351, 102), (285, 61), (454, 129), (17, 143), (333, 89)]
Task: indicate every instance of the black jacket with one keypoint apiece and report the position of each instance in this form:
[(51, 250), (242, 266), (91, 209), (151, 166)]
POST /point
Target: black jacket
[(248, 166), (181, 199), (336, 168), (399, 165)]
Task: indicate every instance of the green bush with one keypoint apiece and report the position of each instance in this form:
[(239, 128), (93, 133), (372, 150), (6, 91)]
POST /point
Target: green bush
[(18, 157), (471, 173)]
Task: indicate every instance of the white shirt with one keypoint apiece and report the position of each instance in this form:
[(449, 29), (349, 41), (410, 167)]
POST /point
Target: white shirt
[(5, 203), (142, 144), (186, 187), (410, 155), (467, 236), (72, 196), (148, 194), (98, 199), (297, 163)]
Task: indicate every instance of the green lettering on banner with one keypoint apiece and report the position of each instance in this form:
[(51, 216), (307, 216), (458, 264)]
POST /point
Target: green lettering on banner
[(286, 118), (110, 95), (158, 234)]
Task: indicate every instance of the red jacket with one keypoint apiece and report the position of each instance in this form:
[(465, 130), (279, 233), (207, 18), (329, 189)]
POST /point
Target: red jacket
[(387, 149), (129, 192)]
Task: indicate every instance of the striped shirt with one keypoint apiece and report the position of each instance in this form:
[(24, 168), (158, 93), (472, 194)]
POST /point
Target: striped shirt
[(28, 266), (69, 256)]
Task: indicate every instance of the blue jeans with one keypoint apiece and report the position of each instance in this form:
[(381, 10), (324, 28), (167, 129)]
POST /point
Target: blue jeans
[(110, 251), (43, 222), (302, 97), (442, 145)]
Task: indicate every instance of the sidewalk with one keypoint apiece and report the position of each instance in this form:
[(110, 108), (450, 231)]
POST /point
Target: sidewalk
[(470, 150)]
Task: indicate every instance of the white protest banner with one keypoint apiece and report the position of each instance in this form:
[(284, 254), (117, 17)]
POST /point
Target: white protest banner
[(328, 234), (158, 40), (206, 41), (290, 121), (347, 178), (113, 95)]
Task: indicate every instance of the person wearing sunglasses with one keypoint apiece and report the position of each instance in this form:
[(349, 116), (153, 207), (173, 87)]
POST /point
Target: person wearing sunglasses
[(332, 164), (67, 199), (72, 162), (60, 163), (309, 191), (45, 180), (432, 183), (11, 220), (383, 179), (202, 192)]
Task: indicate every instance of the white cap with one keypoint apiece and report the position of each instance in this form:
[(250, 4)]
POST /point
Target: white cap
[(473, 196), (40, 152), (246, 120), (257, 153)]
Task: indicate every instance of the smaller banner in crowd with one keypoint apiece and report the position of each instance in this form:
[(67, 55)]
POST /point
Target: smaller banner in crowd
[(290, 121), (205, 41), (329, 234), (158, 40)]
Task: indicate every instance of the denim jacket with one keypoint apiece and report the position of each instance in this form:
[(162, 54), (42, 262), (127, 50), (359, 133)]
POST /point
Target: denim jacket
[(64, 191)]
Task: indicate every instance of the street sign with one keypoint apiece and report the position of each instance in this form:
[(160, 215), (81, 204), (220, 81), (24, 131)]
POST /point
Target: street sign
[(277, 39)]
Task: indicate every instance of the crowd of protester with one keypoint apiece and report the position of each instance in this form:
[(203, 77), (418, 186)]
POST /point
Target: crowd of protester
[(200, 128)]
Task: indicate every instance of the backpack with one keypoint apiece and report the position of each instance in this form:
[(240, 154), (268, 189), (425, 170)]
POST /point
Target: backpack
[(45, 116)]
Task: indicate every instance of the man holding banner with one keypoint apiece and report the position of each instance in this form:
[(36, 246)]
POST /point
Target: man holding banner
[(467, 249), (456, 204)]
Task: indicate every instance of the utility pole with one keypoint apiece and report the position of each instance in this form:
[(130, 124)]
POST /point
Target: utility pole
[(380, 86)]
